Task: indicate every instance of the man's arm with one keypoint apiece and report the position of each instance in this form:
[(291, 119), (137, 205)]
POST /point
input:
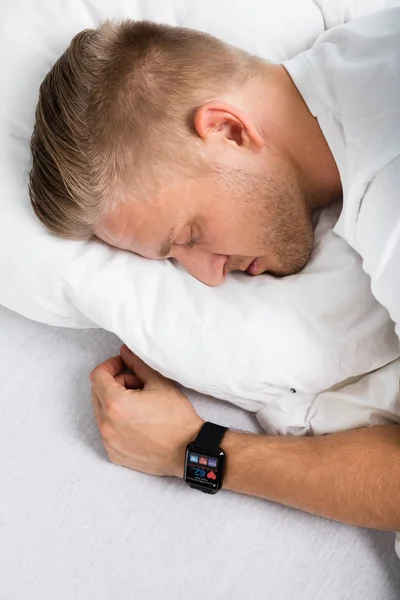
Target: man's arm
[(353, 477), (146, 423)]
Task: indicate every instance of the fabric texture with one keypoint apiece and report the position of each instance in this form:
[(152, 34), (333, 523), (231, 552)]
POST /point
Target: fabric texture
[(350, 80), (73, 526), (307, 332), (338, 12)]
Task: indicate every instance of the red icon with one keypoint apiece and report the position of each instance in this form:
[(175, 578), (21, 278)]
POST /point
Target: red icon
[(211, 475), (203, 460)]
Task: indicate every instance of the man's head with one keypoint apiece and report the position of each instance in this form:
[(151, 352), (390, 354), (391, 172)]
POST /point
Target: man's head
[(162, 141)]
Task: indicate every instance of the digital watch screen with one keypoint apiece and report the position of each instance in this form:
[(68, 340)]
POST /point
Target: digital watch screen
[(204, 469)]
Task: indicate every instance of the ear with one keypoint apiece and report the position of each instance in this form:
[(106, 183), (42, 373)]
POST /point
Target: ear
[(219, 118)]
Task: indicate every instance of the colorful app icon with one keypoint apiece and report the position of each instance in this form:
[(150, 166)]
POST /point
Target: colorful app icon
[(203, 460), (194, 458), (212, 462), (211, 475)]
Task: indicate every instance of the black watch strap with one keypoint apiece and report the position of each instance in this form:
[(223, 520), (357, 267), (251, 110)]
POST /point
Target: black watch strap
[(210, 436)]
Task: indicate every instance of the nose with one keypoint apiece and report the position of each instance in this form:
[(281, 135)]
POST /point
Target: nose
[(202, 264)]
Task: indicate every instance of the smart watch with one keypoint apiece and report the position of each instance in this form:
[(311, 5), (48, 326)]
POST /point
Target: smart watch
[(205, 460)]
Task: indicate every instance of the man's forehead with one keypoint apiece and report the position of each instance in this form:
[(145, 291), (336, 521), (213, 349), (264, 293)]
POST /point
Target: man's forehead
[(115, 225), (141, 228)]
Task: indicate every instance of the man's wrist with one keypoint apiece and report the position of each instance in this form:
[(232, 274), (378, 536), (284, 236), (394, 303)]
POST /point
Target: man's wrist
[(227, 444), (322, 475), (235, 444), (181, 451), (236, 447)]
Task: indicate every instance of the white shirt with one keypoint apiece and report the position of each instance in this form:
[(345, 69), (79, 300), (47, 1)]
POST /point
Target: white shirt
[(350, 80)]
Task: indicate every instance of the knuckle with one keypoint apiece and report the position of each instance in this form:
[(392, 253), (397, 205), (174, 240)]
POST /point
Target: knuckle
[(111, 407), (106, 430), (113, 457)]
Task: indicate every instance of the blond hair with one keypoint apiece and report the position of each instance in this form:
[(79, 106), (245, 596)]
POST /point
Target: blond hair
[(116, 111)]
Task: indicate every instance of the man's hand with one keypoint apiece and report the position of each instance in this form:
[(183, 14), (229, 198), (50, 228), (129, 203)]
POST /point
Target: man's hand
[(352, 476), (145, 422)]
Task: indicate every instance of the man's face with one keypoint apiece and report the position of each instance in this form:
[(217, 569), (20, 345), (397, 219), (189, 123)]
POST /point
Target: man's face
[(227, 221)]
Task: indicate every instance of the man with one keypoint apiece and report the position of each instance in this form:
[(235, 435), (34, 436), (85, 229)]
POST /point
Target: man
[(169, 143)]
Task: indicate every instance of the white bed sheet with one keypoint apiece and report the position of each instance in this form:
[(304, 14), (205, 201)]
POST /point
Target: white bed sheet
[(75, 527)]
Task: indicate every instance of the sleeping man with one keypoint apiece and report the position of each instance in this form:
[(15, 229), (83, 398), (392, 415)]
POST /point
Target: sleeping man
[(169, 143)]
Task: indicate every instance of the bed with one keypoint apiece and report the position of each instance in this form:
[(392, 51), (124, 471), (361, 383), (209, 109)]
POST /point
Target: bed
[(73, 526)]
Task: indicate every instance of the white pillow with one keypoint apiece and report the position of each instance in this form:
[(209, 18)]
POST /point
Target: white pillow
[(243, 341), (337, 12)]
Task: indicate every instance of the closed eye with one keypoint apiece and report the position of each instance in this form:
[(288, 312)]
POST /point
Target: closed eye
[(194, 238), (189, 244)]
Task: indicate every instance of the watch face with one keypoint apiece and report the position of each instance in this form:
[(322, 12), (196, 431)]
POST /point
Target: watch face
[(204, 468)]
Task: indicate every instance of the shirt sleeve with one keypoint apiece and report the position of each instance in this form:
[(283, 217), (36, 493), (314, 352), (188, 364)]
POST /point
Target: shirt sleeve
[(378, 237), (370, 400)]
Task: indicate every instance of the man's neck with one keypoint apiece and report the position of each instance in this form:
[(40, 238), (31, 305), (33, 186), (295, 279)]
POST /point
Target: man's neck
[(298, 133)]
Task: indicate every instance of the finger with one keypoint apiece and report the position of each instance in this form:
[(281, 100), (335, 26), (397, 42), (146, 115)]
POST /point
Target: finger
[(113, 365), (129, 381), (103, 377), (143, 371)]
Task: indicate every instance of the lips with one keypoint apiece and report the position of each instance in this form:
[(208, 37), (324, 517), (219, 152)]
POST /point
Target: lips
[(252, 269), (225, 268)]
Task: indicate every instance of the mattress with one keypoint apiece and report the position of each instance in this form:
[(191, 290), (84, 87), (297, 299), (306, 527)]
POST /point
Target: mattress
[(73, 526)]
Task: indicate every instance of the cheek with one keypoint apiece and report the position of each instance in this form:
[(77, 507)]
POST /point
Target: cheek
[(236, 225), (240, 237)]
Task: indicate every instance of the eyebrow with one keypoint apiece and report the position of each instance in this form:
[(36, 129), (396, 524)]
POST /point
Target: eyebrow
[(165, 248)]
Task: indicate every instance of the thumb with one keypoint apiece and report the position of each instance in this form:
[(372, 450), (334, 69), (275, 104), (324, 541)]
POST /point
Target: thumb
[(145, 373)]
